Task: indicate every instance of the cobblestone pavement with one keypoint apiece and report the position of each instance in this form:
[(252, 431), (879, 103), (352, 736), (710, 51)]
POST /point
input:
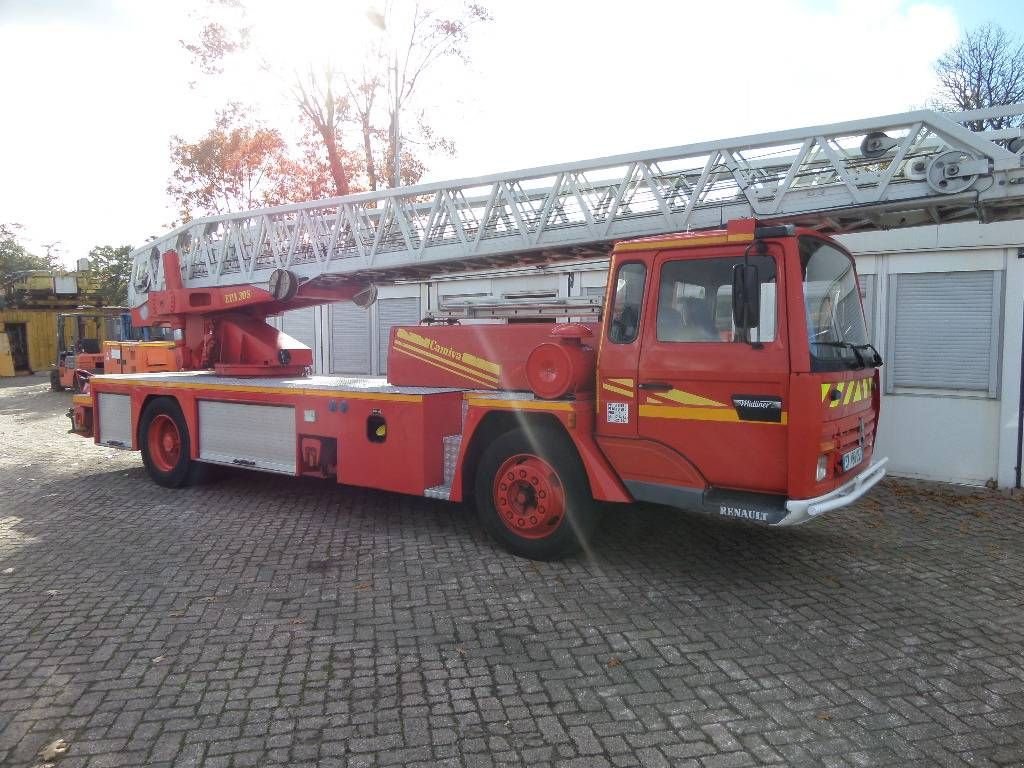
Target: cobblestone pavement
[(268, 621)]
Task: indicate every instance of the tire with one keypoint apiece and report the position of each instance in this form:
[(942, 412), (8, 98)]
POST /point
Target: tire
[(532, 494), (55, 385), (165, 444)]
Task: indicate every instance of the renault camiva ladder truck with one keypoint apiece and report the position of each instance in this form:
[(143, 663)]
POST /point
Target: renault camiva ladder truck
[(728, 369)]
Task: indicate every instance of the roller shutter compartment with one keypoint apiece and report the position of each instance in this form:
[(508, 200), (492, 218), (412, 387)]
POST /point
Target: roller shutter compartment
[(251, 436)]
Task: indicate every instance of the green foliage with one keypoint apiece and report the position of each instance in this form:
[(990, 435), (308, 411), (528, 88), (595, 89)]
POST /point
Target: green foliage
[(112, 268), (14, 257)]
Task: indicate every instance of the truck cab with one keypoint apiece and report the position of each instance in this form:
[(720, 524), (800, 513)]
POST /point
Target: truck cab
[(735, 374)]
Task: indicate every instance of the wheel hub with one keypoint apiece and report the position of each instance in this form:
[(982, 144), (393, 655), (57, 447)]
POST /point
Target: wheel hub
[(164, 440), (529, 496)]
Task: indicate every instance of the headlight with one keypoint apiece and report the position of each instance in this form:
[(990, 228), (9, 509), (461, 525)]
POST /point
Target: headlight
[(822, 469)]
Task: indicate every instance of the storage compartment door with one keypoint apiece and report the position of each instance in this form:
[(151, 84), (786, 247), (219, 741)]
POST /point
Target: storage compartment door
[(115, 427), (252, 436)]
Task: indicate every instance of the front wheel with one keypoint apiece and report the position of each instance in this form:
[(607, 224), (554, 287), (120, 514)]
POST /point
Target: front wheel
[(164, 439), (532, 494), (55, 384)]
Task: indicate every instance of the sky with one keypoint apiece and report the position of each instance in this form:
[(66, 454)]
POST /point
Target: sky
[(91, 91)]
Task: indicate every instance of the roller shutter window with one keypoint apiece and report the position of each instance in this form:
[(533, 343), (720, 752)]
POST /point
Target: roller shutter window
[(944, 331), (392, 312), (350, 339), (298, 323)]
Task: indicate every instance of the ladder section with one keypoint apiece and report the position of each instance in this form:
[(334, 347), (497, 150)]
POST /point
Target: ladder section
[(500, 307), (901, 170)]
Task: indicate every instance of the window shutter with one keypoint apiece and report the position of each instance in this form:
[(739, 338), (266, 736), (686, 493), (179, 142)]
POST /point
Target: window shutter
[(298, 323), (944, 331), (392, 312), (350, 338)]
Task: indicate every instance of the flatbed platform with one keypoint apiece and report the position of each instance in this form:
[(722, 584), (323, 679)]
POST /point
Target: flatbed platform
[(374, 385)]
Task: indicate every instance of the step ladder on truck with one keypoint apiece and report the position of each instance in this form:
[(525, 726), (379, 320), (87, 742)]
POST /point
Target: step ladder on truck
[(728, 370)]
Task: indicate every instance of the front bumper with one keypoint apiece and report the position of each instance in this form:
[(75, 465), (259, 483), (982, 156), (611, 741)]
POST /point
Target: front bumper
[(802, 510)]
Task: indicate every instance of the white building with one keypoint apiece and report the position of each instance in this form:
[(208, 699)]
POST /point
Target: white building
[(945, 308)]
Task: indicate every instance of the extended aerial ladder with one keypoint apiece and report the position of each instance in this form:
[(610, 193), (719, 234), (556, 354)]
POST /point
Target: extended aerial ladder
[(900, 170), (730, 371)]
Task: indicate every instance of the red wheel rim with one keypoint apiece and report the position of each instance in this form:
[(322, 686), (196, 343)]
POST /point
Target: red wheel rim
[(164, 442), (529, 496)]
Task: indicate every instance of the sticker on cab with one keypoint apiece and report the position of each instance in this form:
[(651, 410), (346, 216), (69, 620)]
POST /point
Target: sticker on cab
[(617, 413)]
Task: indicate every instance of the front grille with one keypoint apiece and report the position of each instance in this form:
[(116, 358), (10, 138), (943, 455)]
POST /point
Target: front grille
[(849, 437)]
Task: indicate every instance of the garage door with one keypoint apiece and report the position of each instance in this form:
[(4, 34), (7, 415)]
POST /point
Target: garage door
[(392, 312), (298, 323), (350, 338)]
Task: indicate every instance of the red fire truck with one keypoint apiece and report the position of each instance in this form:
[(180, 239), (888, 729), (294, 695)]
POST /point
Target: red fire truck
[(728, 369)]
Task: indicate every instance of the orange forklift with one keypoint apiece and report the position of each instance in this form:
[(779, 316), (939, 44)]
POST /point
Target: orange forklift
[(97, 341), (80, 337)]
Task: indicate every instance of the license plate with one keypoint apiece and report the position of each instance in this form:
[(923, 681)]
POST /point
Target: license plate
[(852, 458)]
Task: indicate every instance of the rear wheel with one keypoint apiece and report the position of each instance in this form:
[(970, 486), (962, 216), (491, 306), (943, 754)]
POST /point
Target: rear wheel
[(164, 439), (532, 494)]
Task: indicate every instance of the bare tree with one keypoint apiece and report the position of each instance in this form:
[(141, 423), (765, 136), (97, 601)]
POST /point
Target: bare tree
[(985, 69), (326, 112), (417, 44), (371, 132)]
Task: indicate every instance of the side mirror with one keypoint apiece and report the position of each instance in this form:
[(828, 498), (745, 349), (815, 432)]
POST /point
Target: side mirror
[(746, 296)]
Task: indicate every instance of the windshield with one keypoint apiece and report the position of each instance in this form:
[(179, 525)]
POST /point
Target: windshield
[(835, 317)]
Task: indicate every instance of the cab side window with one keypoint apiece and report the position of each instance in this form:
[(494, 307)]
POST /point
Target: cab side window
[(627, 303), (695, 299)]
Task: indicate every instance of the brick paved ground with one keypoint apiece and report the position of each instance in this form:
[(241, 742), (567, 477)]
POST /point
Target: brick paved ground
[(260, 621)]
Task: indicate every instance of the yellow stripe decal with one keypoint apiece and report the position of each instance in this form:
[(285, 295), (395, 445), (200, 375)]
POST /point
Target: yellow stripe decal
[(623, 382), (841, 388), (446, 361), (688, 398), (449, 365), (618, 390), (851, 387), (702, 414), (524, 405), (431, 345), (476, 379), (852, 391)]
